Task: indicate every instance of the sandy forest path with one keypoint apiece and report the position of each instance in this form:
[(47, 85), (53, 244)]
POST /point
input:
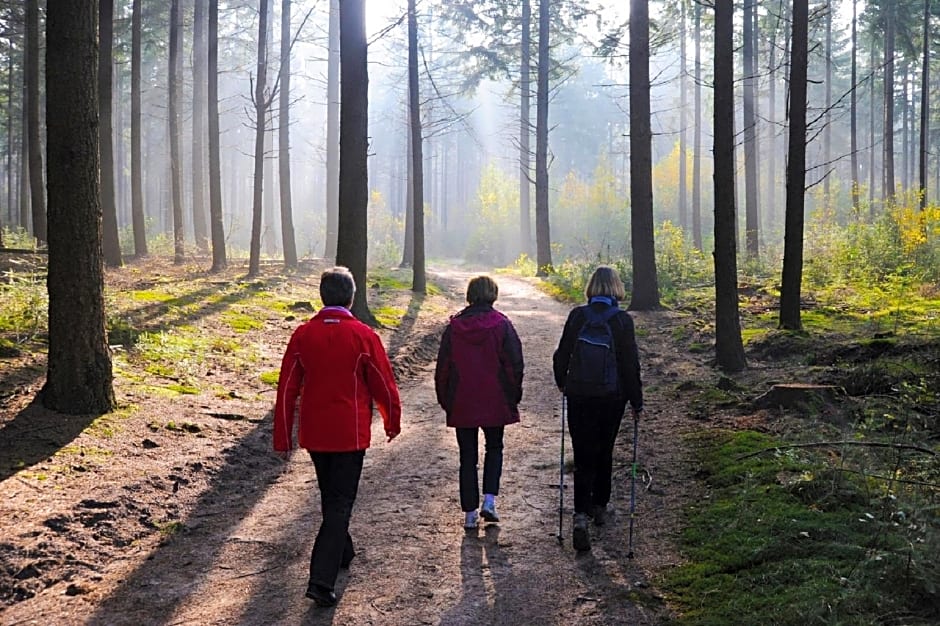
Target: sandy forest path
[(244, 554)]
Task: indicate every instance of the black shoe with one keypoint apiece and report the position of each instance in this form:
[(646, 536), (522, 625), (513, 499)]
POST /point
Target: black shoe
[(321, 595), (348, 555), (580, 537), (600, 515)]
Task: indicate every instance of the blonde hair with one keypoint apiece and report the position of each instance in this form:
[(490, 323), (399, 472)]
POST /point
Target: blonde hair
[(605, 281), (482, 290)]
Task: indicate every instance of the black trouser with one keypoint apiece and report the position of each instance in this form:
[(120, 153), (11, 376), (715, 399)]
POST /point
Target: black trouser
[(338, 478), (593, 424), (492, 464)]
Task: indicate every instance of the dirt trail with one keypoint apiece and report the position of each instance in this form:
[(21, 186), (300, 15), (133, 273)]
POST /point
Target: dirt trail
[(244, 555)]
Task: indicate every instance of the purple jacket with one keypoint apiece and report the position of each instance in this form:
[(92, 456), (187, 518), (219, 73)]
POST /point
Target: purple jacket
[(478, 378)]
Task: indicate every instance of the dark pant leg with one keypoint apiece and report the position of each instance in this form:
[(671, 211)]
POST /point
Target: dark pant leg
[(469, 485), (609, 425), (583, 428), (338, 478), (492, 459)]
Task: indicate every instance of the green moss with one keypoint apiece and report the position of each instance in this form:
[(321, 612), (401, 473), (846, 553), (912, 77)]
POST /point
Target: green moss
[(388, 316), (183, 389), (242, 322), (270, 377), (151, 295)]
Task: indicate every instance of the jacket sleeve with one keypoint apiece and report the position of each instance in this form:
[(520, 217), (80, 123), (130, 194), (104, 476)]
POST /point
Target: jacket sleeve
[(629, 362), (289, 383), (512, 362), (565, 346), (442, 371), (382, 386)]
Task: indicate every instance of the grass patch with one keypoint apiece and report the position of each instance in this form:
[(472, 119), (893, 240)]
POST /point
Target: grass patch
[(270, 377), (780, 538), (242, 322), (388, 316)]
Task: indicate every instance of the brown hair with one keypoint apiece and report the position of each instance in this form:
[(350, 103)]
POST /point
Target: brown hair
[(482, 290), (605, 281)]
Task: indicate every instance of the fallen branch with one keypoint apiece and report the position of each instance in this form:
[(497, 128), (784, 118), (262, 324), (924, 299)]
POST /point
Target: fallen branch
[(823, 444)]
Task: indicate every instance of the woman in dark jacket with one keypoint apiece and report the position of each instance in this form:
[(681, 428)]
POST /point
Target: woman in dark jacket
[(478, 381), (594, 421)]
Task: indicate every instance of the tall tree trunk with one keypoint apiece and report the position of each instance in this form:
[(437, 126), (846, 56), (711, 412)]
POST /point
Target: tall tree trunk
[(408, 246), (332, 131), (750, 138), (137, 189), (283, 159), (853, 109), (924, 107), (525, 131), (889, 189), (34, 144), (905, 117), (645, 293), (796, 174), (729, 348), (79, 377), (9, 126), (261, 114), (200, 230), (419, 280), (827, 132), (111, 243), (871, 139), (683, 191), (219, 261), (543, 239), (353, 225), (175, 69), (697, 140), (770, 204)]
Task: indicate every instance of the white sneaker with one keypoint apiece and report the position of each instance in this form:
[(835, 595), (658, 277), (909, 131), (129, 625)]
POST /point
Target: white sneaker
[(471, 520)]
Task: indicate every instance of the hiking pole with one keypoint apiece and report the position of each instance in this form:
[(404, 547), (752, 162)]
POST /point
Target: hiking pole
[(636, 427), (561, 472)]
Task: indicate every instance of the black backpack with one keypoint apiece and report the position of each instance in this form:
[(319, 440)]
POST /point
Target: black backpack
[(592, 370)]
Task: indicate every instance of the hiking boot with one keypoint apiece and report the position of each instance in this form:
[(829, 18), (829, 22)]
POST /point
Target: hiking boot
[(580, 537), (600, 514), (322, 596), (488, 511), (471, 520)]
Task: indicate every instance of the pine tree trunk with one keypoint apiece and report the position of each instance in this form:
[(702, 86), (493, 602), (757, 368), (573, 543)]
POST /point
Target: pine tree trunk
[(111, 244), (34, 143), (645, 293), (750, 139), (889, 190), (853, 110), (200, 230), (419, 281), (924, 108), (827, 132), (332, 132), (175, 69), (219, 261), (260, 94), (729, 348), (525, 131), (79, 377), (137, 193), (353, 229), (283, 159), (683, 174), (796, 174), (543, 240), (697, 141)]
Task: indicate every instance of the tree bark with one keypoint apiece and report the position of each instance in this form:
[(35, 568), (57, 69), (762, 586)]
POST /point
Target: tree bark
[(219, 261), (111, 243), (353, 226), (853, 110), (332, 131), (827, 132), (525, 131), (543, 239), (796, 174), (751, 236), (283, 159), (645, 293), (79, 377), (175, 69), (419, 281), (729, 348), (34, 143), (697, 141), (137, 189), (683, 191), (200, 230), (261, 109), (889, 191), (924, 107)]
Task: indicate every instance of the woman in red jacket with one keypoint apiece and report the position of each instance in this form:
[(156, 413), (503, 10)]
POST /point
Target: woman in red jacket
[(478, 381), (341, 368)]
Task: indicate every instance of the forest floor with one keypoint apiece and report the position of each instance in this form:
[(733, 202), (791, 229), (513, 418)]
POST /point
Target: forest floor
[(172, 510)]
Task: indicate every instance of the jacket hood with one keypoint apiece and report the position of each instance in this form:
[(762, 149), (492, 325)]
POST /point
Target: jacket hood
[(475, 323)]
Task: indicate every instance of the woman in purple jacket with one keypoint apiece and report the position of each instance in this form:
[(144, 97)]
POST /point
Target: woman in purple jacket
[(478, 381)]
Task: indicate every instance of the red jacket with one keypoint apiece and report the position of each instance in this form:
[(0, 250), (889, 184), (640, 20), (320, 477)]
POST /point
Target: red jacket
[(341, 368), (478, 378)]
